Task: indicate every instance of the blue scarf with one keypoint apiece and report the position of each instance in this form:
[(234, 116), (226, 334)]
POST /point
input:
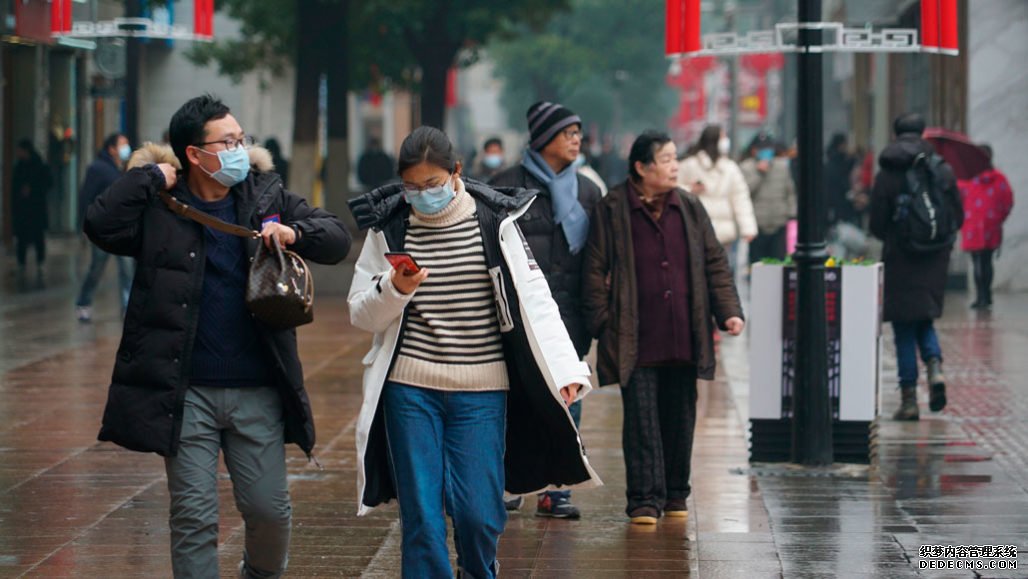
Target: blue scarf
[(563, 186)]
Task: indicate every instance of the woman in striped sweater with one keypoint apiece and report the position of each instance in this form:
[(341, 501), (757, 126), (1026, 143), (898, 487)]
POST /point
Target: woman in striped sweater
[(466, 386)]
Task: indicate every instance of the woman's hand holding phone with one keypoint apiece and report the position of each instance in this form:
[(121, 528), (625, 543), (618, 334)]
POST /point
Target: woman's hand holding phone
[(406, 275)]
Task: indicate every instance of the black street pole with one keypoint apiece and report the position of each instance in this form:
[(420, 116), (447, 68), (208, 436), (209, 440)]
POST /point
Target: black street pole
[(133, 61), (812, 419)]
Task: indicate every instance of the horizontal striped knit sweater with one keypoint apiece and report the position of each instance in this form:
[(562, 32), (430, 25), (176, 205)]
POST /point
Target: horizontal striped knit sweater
[(452, 337)]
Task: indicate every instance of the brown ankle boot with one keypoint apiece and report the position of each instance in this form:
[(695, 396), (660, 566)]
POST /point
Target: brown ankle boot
[(908, 405)]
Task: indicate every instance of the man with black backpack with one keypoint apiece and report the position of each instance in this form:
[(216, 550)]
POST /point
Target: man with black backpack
[(916, 211)]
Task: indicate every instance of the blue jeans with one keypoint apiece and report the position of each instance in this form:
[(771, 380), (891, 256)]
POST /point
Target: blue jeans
[(447, 454), (911, 337), (576, 414), (126, 269)]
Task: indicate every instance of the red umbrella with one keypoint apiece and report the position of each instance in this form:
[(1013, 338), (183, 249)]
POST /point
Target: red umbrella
[(964, 155)]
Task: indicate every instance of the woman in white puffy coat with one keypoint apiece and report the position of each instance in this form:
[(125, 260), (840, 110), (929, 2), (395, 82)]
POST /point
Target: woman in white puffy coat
[(471, 370), (719, 183)]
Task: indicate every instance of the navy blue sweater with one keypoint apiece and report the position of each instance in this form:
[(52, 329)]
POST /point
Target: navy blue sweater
[(226, 352)]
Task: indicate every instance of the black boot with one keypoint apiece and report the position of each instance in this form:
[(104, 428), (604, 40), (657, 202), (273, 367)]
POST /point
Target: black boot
[(936, 385), (908, 405)]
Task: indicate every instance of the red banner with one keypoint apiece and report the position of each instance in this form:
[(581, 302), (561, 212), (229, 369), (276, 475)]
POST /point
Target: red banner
[(60, 16), (930, 23), (682, 26), (203, 18), (692, 41), (673, 26), (948, 35)]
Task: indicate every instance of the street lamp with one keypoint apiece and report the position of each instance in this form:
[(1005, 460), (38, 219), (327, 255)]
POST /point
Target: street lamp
[(812, 418)]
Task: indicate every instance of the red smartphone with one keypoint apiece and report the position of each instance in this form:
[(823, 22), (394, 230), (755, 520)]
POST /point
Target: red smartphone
[(402, 261)]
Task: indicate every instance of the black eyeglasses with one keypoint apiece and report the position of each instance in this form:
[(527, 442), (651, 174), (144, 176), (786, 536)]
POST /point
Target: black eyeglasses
[(570, 134), (230, 144)]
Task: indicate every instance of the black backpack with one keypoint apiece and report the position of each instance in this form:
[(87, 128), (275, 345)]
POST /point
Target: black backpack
[(924, 221)]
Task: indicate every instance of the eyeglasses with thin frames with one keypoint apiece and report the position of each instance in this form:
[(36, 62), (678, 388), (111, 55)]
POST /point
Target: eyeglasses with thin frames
[(230, 144), (415, 190), (571, 134)]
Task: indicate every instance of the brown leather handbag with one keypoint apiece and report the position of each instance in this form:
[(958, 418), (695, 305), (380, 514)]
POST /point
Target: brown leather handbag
[(279, 289)]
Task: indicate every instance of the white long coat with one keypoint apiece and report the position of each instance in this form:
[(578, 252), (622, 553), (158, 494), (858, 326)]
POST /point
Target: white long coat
[(376, 306)]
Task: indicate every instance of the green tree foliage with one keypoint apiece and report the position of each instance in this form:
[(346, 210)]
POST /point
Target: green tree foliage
[(270, 39), (604, 59), (409, 43), (436, 32)]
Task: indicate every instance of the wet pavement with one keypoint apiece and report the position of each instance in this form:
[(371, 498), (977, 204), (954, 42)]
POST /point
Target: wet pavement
[(72, 507)]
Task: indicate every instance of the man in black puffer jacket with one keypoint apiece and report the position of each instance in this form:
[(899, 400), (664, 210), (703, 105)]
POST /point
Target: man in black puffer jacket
[(556, 228), (195, 373), (915, 281)]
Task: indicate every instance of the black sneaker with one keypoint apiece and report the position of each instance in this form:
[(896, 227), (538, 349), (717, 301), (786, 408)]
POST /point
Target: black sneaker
[(514, 503), (556, 507)]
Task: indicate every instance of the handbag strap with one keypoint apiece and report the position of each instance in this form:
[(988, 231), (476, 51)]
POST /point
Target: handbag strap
[(202, 218)]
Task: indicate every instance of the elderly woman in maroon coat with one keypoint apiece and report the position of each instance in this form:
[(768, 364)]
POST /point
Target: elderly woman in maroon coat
[(655, 280)]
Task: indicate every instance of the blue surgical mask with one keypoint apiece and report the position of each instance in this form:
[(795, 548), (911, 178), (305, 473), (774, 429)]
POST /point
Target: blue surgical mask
[(124, 152), (235, 166), (492, 161), (430, 201)]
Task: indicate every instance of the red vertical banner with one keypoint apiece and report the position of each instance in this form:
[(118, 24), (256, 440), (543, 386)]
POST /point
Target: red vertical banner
[(66, 21), (691, 42), (55, 17), (948, 36), (203, 18), (198, 17), (451, 88), (673, 26), (930, 25)]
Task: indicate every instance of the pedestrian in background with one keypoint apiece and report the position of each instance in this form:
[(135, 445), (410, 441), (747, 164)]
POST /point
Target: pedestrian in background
[(492, 161), (838, 176), (719, 183), (556, 227), (30, 185), (101, 174), (773, 194), (655, 279), (988, 201), (846, 199), (279, 161), (375, 166), (467, 385), (196, 374), (610, 164), (916, 268)]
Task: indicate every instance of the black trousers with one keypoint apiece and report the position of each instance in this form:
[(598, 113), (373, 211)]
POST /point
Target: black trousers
[(982, 262), (36, 239), (768, 245), (659, 419)]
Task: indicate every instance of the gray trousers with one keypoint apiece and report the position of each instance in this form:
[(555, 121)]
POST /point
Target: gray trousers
[(247, 424)]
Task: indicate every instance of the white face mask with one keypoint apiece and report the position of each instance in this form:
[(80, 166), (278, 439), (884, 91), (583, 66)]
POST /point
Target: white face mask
[(724, 145)]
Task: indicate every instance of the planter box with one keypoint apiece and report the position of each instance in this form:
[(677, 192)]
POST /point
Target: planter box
[(853, 301)]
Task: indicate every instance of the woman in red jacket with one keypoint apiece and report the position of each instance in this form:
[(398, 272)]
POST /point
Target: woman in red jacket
[(988, 200)]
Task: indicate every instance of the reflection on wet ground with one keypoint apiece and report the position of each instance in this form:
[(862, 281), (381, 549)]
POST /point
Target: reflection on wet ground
[(71, 507)]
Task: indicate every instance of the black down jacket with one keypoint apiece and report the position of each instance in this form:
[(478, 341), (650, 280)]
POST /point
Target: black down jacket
[(151, 373), (915, 283), (549, 246)]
